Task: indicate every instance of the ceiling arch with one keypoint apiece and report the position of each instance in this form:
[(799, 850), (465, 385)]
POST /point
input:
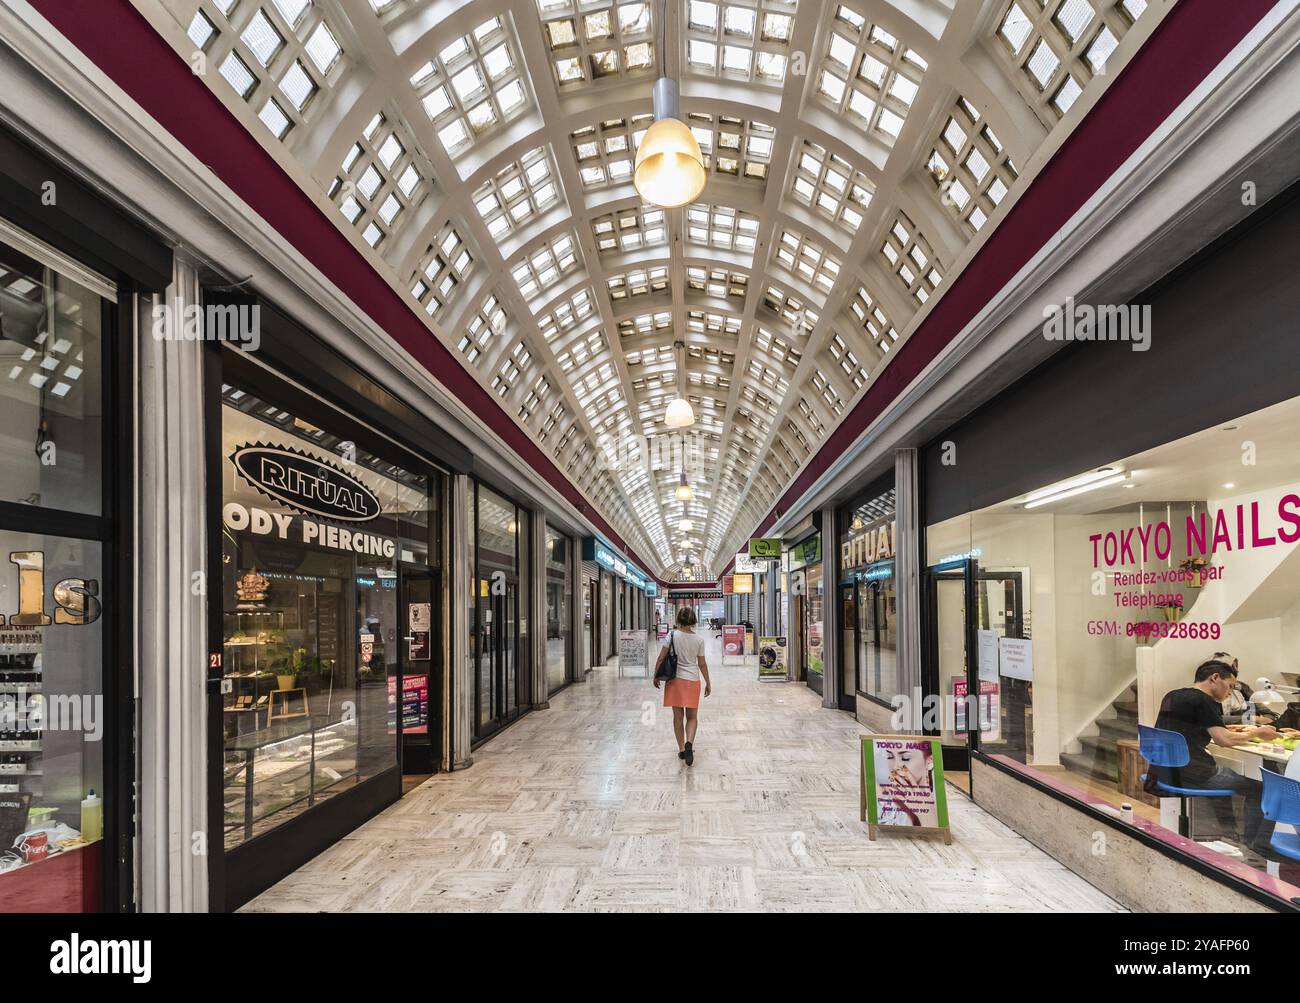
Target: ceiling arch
[(480, 153)]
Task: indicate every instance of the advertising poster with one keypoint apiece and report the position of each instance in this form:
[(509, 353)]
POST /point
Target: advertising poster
[(772, 658), (420, 615), (733, 640), (631, 648), (415, 705), (902, 781), (661, 629), (989, 710)]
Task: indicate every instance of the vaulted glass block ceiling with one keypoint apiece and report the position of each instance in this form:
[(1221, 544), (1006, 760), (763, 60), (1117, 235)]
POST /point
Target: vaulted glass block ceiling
[(480, 155)]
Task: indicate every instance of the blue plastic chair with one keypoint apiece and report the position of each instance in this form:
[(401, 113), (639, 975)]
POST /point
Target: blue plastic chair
[(1281, 803), (1169, 749)]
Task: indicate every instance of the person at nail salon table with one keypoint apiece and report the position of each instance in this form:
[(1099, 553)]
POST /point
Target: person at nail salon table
[(1196, 713)]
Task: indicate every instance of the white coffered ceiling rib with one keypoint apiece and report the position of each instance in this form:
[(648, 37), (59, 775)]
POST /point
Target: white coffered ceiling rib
[(480, 154)]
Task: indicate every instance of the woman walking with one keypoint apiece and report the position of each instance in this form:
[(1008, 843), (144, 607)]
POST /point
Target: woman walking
[(682, 692)]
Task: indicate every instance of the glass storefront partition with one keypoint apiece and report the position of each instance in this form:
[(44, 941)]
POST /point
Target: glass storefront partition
[(1124, 597), (315, 533), (502, 650), (58, 802), (805, 563), (869, 597), (559, 599)]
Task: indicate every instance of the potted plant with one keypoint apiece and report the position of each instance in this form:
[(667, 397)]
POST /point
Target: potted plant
[(1195, 571), (286, 674)]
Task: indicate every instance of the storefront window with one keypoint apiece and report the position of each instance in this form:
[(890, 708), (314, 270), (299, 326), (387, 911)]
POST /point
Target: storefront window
[(870, 598), (805, 560), (1097, 597), (558, 597), (51, 408), (313, 532), (53, 612), (504, 667)]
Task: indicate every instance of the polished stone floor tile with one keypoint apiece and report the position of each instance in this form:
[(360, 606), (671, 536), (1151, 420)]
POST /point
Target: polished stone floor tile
[(586, 807)]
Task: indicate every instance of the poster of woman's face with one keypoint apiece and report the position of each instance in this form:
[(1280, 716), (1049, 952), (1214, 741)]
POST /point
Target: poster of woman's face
[(904, 783)]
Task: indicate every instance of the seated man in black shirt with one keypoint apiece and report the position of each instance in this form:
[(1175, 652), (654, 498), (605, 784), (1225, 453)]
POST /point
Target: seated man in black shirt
[(1196, 713)]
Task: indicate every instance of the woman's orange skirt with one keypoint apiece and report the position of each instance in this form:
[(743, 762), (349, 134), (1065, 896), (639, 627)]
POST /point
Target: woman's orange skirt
[(682, 693)]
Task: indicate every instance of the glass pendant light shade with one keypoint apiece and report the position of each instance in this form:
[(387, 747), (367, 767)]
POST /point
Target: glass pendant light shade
[(680, 414), (683, 492), (669, 169), (685, 526)]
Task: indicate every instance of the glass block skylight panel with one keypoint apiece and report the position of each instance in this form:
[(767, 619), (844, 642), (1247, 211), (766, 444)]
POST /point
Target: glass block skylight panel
[(278, 55), (534, 401), (629, 230), (742, 42), (734, 147), (868, 75), (708, 322), (511, 367), (442, 271), (605, 151), (722, 227), (847, 360), (638, 282), (717, 282), (801, 318), (488, 322), (777, 350), (517, 193), (589, 349), (566, 315), (378, 179), (645, 323), (472, 86), (871, 317), (806, 259), (909, 256), (831, 186), (1055, 47), (543, 265), (589, 42), (971, 170)]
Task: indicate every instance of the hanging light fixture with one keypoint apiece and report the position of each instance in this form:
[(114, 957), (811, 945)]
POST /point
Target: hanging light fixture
[(680, 414), (683, 492), (669, 169), (686, 526)]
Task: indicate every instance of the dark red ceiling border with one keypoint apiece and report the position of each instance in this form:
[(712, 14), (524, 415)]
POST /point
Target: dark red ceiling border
[(1193, 38), (122, 43)]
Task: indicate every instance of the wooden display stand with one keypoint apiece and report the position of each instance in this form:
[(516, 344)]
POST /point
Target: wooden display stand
[(286, 712), (941, 801)]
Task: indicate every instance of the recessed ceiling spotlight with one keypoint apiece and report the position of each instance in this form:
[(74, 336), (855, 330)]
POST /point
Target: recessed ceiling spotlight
[(1230, 485)]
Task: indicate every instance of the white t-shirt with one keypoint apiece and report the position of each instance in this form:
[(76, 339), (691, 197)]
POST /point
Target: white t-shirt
[(688, 647)]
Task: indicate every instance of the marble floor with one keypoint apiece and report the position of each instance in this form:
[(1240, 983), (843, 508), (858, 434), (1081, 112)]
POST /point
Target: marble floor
[(586, 807)]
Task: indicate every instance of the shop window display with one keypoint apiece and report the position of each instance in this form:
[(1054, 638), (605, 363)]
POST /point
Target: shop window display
[(870, 597), (1096, 599), (314, 529), (54, 612)]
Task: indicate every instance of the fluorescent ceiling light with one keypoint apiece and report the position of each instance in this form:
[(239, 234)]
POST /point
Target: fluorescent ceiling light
[(1055, 489), (1061, 495)]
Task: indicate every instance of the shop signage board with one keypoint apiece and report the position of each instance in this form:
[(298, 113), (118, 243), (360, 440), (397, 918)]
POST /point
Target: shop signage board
[(765, 548), (772, 659), (733, 640), (1016, 658), (728, 585), (902, 785), (746, 565), (632, 650), (742, 585), (805, 553), (308, 484)]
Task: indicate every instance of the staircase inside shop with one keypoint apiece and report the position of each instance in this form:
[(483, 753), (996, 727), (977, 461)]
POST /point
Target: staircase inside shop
[(1098, 758)]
